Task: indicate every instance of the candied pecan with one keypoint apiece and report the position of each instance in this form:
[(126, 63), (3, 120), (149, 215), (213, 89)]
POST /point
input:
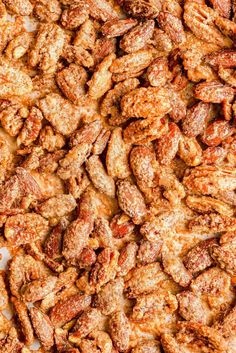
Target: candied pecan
[(88, 133), (214, 155), (70, 165), (150, 346), (127, 258), (53, 243), (47, 11), (18, 82), (117, 27), (193, 308), (227, 75), (190, 151), (57, 206), (102, 233), (222, 7), (75, 15), (43, 327), (101, 81), (142, 8), (76, 238), (200, 19), (225, 257), (158, 73), (19, 7), (172, 25), (167, 145), (149, 251), (143, 131), (208, 336), (137, 37), (77, 55), (155, 305), (77, 185), (18, 46), (146, 102), (142, 161), (50, 140), (216, 132), (225, 58), (71, 81), (213, 223), (24, 320), (110, 104), (132, 63), (121, 226), (10, 342), (178, 106), (87, 322), (214, 283), (23, 268), (23, 229), (120, 330), (31, 128), (101, 10), (87, 258), (161, 40), (38, 289), (205, 204), (101, 142), (3, 294), (213, 92), (65, 310), (210, 180), (102, 48), (86, 35), (195, 120), (98, 341), (9, 193), (99, 177), (226, 325), (63, 115), (174, 266), (48, 47), (117, 156), (144, 279), (105, 268), (109, 299), (131, 201)]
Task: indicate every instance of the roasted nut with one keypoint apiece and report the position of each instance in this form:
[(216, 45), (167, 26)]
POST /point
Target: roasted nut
[(19, 7), (47, 11), (43, 327), (63, 115), (48, 47), (137, 37), (75, 15), (146, 8), (120, 330), (18, 82), (23, 229), (68, 308), (72, 82), (87, 322), (172, 25), (146, 102), (131, 201), (101, 180), (195, 120), (117, 27)]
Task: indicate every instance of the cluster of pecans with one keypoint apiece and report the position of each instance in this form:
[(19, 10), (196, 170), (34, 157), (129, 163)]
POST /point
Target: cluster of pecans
[(118, 176)]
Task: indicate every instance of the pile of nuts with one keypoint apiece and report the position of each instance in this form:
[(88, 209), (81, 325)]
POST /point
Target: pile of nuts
[(118, 176)]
